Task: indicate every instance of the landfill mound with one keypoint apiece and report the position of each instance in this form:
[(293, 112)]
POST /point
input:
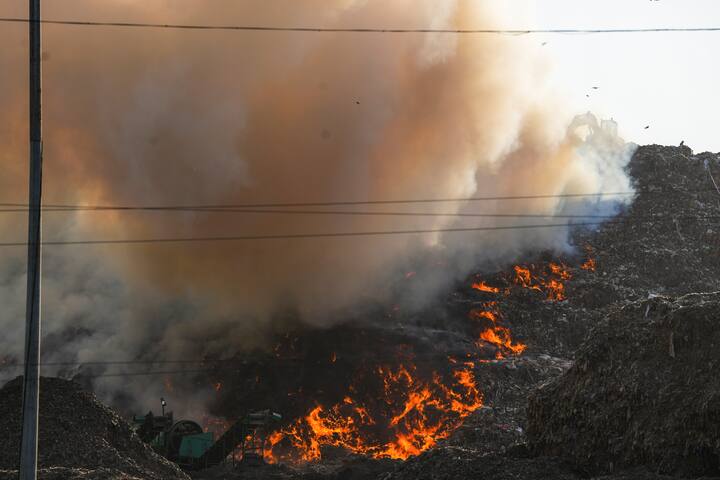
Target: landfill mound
[(640, 401), (456, 464), (65, 473), (79, 437), (644, 390), (665, 242)]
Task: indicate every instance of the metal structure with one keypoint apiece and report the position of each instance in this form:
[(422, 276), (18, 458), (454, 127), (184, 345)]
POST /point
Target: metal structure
[(185, 443)]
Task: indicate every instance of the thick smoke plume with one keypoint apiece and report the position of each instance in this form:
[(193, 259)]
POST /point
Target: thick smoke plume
[(165, 117)]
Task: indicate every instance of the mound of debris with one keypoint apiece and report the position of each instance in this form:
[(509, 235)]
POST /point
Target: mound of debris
[(79, 437), (665, 242), (644, 390), (455, 463)]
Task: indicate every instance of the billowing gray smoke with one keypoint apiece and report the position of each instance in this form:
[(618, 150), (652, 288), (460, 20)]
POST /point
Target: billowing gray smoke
[(166, 117)]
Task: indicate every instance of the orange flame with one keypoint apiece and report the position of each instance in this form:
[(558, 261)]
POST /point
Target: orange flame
[(414, 415), (551, 283), (483, 287), (560, 270), (501, 337), (523, 277), (589, 265), (496, 334)]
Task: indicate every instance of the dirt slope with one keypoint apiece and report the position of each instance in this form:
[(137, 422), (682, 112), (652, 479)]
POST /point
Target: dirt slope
[(79, 437)]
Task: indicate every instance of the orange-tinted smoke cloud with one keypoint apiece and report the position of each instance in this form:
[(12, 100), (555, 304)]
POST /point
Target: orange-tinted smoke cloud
[(165, 117)]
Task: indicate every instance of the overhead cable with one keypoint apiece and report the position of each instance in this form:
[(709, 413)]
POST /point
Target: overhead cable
[(311, 29)]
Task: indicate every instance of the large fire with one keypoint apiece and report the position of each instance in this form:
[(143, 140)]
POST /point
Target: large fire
[(412, 415), (413, 408)]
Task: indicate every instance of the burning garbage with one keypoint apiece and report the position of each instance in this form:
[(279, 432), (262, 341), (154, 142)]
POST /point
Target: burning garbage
[(410, 414)]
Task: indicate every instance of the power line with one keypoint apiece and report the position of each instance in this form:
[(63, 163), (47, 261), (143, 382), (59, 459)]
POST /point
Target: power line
[(346, 213), (292, 236), (417, 358), (118, 362), (144, 374), (147, 373), (340, 203), (302, 235), (215, 370), (299, 29), (365, 213), (149, 362), (237, 362)]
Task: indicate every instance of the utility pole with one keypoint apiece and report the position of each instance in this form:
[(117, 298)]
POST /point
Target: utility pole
[(31, 387)]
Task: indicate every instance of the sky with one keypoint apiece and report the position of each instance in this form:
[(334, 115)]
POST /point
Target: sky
[(665, 81)]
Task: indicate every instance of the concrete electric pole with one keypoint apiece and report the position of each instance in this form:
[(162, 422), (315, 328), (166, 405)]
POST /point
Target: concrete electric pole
[(31, 387)]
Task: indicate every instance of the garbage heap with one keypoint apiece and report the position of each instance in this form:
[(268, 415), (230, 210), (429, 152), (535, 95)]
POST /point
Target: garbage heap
[(644, 390), (79, 437)]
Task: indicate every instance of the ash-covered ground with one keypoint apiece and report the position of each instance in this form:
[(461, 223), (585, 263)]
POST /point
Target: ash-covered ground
[(617, 361)]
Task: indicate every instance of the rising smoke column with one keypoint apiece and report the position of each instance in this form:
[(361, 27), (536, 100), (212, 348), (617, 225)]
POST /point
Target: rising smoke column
[(164, 117)]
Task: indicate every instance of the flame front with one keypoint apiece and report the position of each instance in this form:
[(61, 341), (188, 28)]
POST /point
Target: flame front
[(413, 415), (550, 280), (483, 287), (589, 265), (412, 412), (496, 334)]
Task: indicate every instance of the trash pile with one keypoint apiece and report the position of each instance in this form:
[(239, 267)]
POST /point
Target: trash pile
[(624, 359), (644, 390), (80, 438), (666, 242), (640, 401)]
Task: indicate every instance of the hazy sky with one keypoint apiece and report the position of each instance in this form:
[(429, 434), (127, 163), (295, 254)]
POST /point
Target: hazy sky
[(667, 81)]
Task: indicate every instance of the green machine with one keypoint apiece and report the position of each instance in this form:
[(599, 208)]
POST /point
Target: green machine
[(185, 443)]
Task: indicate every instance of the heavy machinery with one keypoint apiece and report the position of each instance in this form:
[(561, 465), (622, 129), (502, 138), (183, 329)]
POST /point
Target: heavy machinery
[(185, 443)]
